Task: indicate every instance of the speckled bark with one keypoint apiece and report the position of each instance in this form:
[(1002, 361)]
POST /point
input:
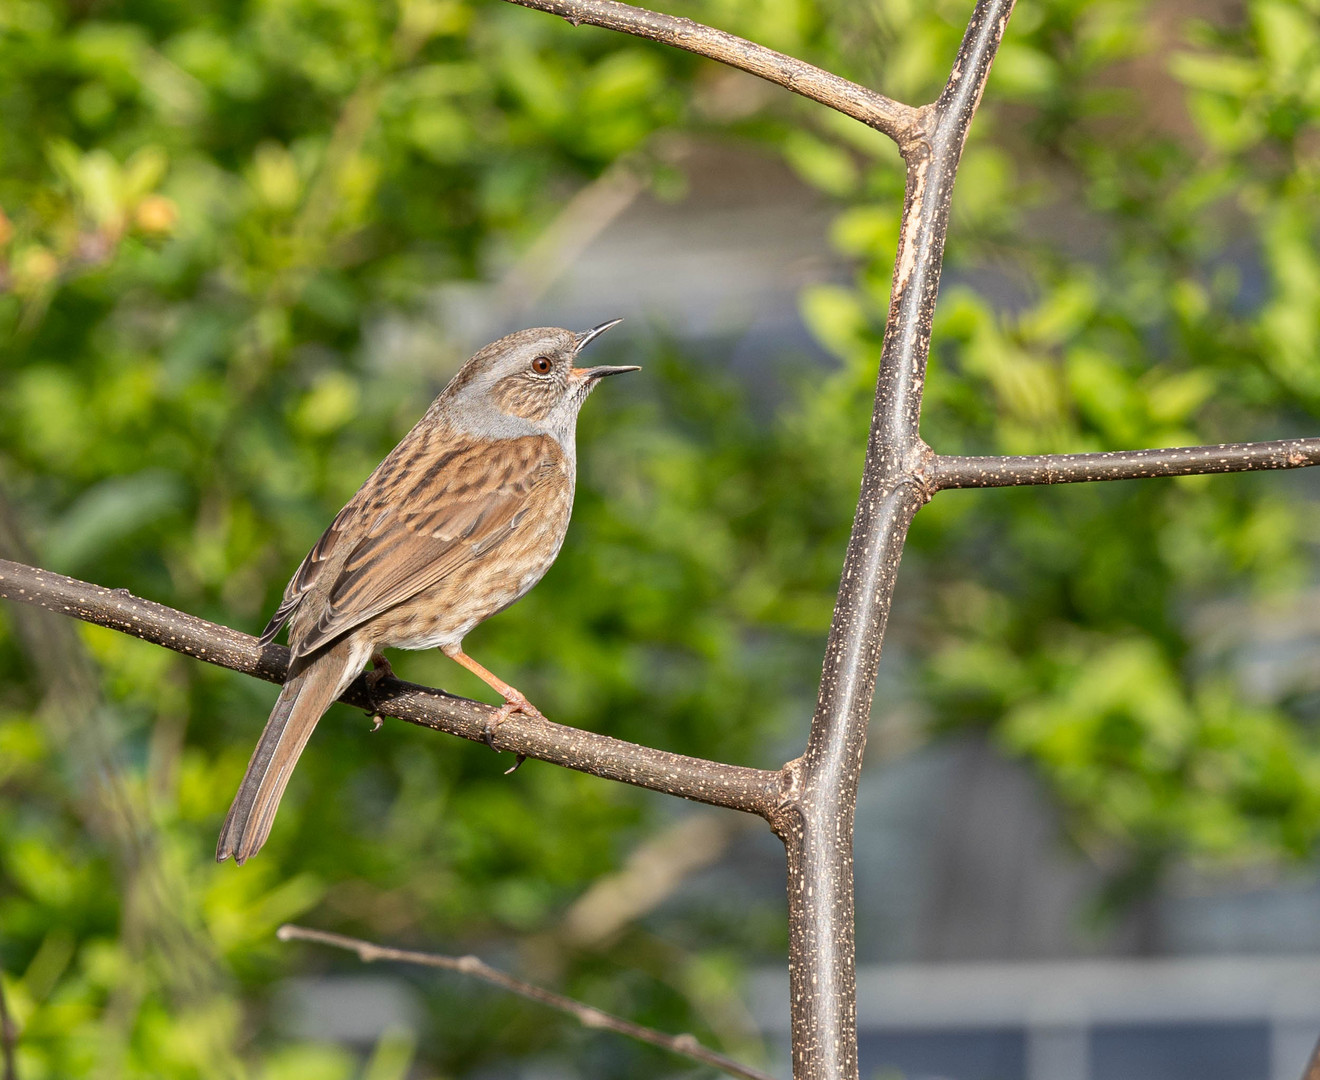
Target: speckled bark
[(965, 472), (816, 823), (754, 791), (875, 110)]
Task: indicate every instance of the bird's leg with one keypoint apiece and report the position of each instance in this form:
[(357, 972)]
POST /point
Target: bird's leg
[(380, 671), (514, 700)]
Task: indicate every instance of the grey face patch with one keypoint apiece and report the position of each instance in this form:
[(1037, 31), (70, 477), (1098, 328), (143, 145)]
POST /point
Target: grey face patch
[(501, 394)]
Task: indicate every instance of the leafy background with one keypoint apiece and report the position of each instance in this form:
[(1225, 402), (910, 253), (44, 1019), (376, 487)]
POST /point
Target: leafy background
[(213, 215)]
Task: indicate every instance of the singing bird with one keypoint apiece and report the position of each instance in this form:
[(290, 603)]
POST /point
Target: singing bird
[(462, 518)]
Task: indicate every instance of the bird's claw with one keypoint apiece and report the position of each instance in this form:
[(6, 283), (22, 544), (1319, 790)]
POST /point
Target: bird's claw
[(513, 705), (380, 671)]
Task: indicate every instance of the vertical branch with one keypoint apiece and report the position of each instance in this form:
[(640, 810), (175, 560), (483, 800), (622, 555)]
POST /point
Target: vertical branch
[(816, 822)]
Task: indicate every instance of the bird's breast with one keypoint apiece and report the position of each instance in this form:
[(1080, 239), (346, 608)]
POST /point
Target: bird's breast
[(489, 584)]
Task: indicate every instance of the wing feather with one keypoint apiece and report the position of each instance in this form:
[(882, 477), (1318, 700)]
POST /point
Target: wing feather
[(308, 573), (460, 512)]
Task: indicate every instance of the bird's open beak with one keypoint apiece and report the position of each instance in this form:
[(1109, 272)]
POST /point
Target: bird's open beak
[(588, 336), (601, 372), (593, 373)]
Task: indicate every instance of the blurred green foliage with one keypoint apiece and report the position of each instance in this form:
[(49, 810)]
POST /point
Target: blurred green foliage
[(213, 212)]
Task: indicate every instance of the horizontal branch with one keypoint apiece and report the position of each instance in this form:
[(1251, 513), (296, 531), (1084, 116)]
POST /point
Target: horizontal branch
[(948, 471), (754, 791), (898, 121), (586, 1015)]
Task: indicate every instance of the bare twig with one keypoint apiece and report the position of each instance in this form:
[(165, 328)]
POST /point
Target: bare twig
[(8, 1038), (754, 791), (586, 1015), (898, 121), (946, 471)]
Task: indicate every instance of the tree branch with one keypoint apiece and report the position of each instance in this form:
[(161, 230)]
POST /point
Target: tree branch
[(754, 791), (948, 471), (586, 1015), (898, 121), (817, 821)]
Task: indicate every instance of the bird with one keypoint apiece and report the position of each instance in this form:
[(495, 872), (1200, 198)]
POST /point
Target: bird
[(459, 521)]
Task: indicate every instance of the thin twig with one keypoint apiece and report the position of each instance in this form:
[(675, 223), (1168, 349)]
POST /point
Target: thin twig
[(948, 471), (8, 1038), (586, 1015), (754, 791), (895, 119)]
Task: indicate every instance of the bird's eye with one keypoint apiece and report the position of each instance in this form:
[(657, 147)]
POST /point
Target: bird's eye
[(542, 365)]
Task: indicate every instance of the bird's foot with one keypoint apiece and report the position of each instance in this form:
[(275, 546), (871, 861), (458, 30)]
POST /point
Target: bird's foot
[(513, 703), (380, 671)]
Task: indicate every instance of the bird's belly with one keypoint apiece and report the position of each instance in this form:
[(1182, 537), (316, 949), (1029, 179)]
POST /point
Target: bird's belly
[(443, 614)]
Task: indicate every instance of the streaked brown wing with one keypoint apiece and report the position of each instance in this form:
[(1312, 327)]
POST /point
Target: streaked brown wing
[(377, 490), (456, 514), (307, 574)]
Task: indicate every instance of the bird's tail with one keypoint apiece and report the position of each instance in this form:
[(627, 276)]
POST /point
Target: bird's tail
[(301, 703)]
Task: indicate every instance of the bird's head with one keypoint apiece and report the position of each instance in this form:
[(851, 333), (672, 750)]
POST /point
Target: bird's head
[(529, 376)]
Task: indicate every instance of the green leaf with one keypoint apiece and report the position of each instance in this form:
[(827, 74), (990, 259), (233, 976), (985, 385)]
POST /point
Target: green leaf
[(110, 512), (823, 164)]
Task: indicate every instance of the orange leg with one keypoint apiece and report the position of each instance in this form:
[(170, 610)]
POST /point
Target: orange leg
[(514, 700)]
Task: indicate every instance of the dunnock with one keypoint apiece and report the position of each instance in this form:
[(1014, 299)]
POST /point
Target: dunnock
[(462, 518)]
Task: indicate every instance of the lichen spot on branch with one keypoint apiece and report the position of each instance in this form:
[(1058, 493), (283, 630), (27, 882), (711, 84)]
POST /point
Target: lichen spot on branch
[(907, 257)]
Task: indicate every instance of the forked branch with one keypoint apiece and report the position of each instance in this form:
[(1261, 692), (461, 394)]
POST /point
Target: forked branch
[(586, 1015), (898, 121)]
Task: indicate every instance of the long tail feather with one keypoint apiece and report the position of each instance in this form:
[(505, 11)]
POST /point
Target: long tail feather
[(300, 705)]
